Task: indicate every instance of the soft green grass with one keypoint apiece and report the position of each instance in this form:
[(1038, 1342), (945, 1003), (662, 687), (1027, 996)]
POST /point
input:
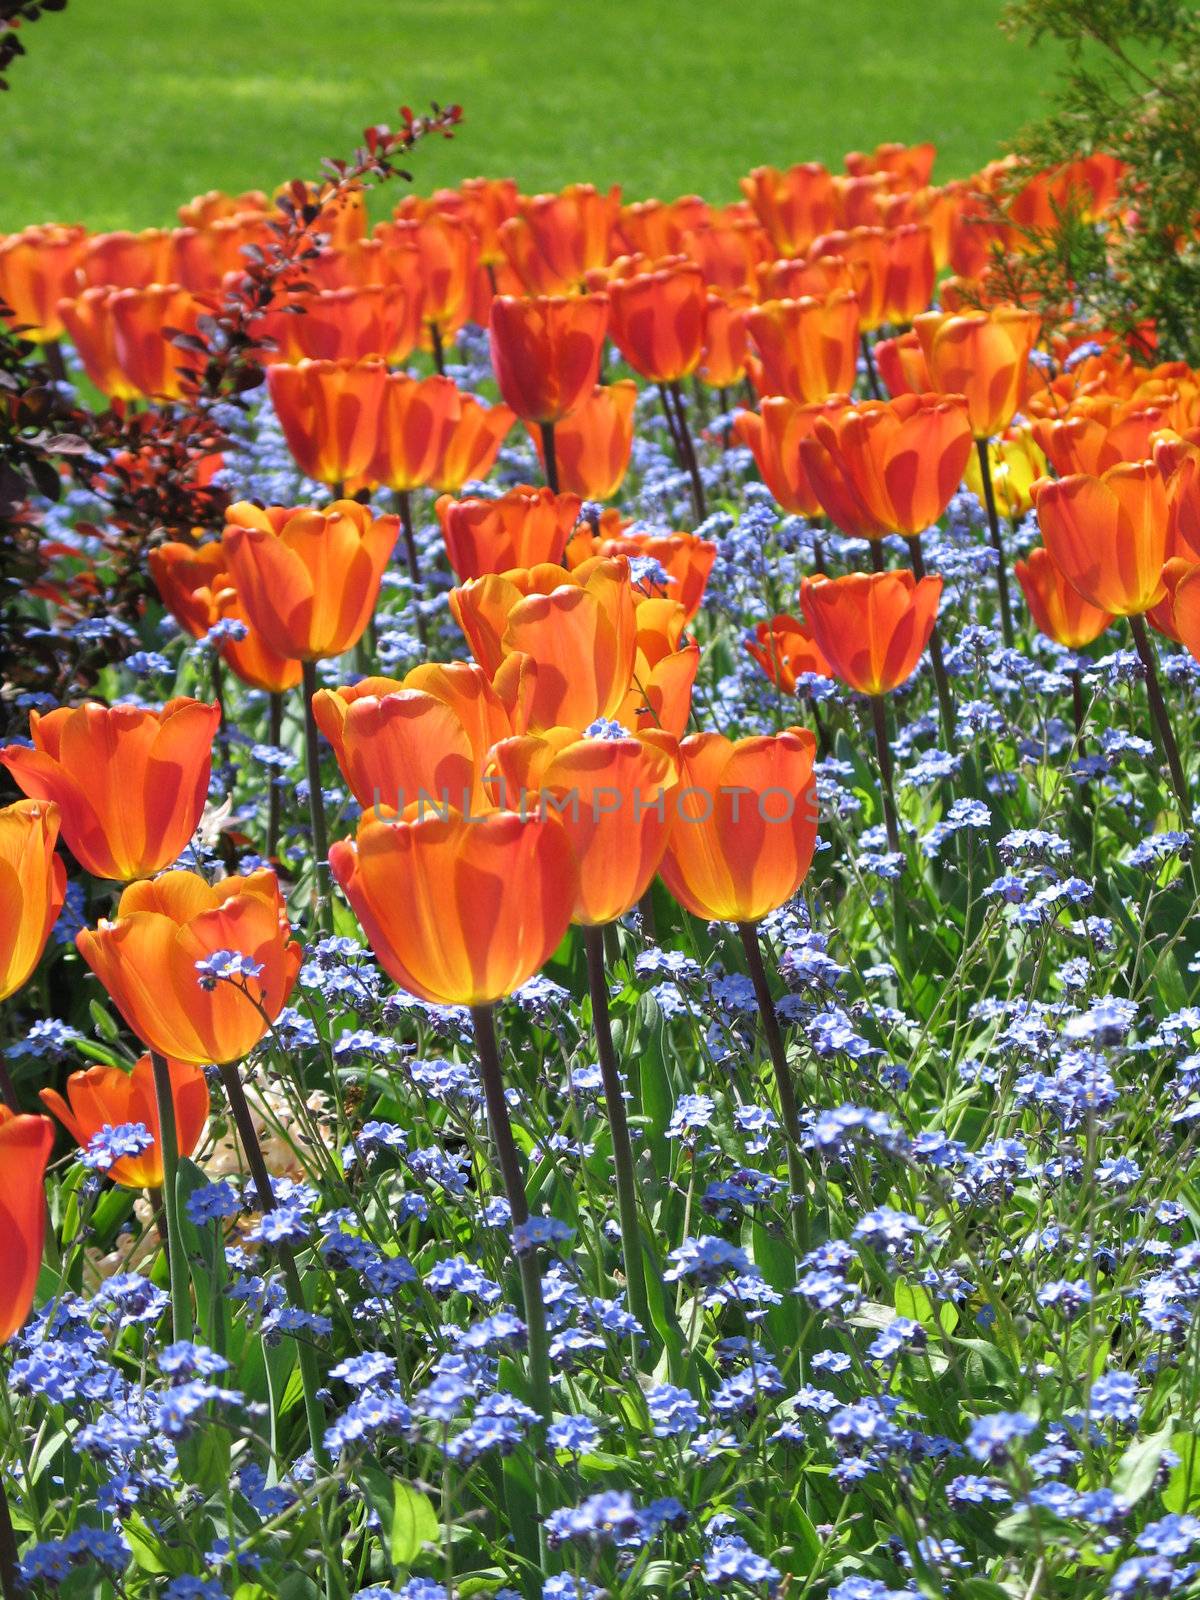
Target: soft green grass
[(123, 108)]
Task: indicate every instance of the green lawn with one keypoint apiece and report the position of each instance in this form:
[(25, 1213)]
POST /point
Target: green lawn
[(124, 107)]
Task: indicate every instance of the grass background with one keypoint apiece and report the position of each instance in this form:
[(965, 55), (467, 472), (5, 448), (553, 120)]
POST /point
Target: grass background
[(123, 108)]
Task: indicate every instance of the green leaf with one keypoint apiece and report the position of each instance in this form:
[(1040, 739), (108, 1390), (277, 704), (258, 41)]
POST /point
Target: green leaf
[(913, 1301), (1183, 1486), (106, 1025), (150, 1554), (407, 1516), (1138, 1467), (414, 1524)]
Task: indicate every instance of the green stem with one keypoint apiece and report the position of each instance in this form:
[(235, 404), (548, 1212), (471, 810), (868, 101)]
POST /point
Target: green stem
[(439, 354), (307, 1356), (788, 1108), (883, 753), (940, 676), (872, 376), (549, 455), (688, 446), (509, 1162), (322, 896), (414, 567), (1162, 722), (614, 1099), (989, 497), (274, 793), (168, 1141), (10, 1582)]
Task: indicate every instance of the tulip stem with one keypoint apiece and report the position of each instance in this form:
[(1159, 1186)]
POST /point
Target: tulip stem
[(883, 753), (306, 1354), (872, 375), (8, 1090), (1079, 710), (274, 792), (989, 497), (483, 1021), (672, 425), (878, 563), (439, 354), (688, 447), (322, 895), (788, 1108), (414, 567), (168, 1140), (10, 1581), (1162, 722), (549, 455), (940, 676), (614, 1099)]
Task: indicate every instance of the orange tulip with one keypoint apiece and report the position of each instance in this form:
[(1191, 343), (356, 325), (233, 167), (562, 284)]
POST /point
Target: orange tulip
[(150, 362), (785, 650), (348, 324), (130, 782), (449, 254), (200, 258), (202, 210), (198, 592), (1108, 535), (774, 433), (123, 260), (983, 355), (809, 347), (593, 445), (872, 628), (566, 641), (472, 443), (686, 560), (415, 419), (726, 340), (1183, 500), (659, 698), (309, 580), (658, 228), (555, 240), (33, 881), (91, 328), (435, 899), (817, 276), (728, 252), (109, 1096), (425, 735), (37, 270), (487, 203), (1181, 579), (888, 466), (912, 164), (525, 527), (613, 797), (147, 959), (330, 414), (1058, 610), (657, 318), (745, 824), (893, 270), (1089, 443), (25, 1145), (793, 206), (546, 352), (901, 364)]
